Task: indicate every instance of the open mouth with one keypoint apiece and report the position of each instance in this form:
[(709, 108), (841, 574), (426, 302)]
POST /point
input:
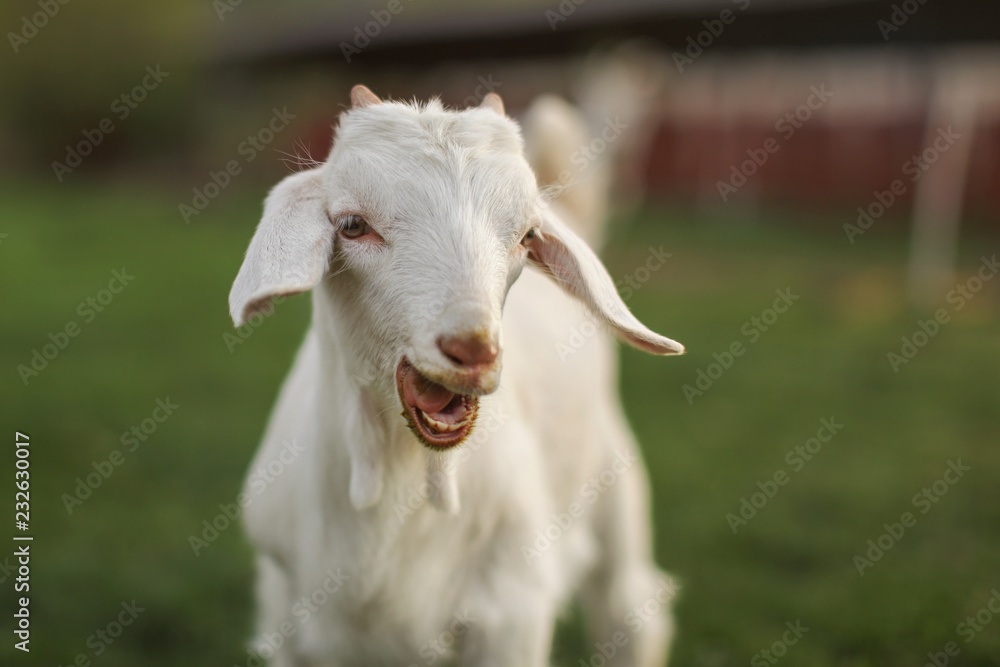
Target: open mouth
[(439, 417)]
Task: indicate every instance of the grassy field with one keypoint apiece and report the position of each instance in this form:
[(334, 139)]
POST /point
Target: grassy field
[(162, 338)]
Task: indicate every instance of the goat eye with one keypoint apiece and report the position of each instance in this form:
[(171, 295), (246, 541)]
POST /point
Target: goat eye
[(353, 226), (527, 237)]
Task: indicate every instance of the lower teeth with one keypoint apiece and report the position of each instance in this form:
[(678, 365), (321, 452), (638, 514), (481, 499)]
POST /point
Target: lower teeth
[(441, 426)]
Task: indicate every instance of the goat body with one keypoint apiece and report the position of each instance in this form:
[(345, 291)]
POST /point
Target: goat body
[(437, 510)]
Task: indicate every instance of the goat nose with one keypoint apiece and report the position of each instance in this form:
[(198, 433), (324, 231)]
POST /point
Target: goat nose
[(469, 350)]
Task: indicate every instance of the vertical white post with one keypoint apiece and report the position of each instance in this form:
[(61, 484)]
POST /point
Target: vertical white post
[(937, 204)]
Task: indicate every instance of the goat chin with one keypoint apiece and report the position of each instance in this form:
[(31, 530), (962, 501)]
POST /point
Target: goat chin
[(378, 546)]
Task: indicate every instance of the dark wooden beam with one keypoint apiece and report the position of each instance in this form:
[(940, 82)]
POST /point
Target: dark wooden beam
[(421, 41)]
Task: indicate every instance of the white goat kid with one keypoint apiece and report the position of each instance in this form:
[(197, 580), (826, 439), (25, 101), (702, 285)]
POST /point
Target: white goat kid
[(412, 236)]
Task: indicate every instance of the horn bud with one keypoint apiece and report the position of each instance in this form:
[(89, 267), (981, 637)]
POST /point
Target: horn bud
[(493, 102), (362, 97)]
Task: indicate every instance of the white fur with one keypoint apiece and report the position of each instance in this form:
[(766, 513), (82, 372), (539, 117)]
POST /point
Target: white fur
[(417, 536)]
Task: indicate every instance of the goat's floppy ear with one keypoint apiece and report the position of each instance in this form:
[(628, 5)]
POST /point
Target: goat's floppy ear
[(290, 250), (573, 265)]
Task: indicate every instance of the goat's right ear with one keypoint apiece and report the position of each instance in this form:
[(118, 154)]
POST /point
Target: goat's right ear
[(290, 251)]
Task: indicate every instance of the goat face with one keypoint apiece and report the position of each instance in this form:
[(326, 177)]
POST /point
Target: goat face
[(431, 211), (417, 225)]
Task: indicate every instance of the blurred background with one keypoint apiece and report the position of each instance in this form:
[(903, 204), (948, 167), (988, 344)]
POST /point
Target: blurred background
[(824, 174)]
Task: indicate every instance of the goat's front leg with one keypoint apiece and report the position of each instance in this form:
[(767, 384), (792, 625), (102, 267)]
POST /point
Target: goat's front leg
[(513, 629)]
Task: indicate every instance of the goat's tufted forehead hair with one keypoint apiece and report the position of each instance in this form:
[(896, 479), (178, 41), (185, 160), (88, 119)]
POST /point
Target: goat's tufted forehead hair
[(428, 126), (417, 155)]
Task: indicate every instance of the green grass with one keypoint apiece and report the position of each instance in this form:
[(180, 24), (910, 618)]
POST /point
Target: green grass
[(162, 336)]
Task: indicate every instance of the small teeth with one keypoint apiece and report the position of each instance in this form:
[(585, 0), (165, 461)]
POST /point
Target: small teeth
[(441, 426)]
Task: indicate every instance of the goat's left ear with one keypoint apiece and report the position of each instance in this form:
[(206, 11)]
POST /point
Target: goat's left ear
[(290, 251), (564, 256)]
